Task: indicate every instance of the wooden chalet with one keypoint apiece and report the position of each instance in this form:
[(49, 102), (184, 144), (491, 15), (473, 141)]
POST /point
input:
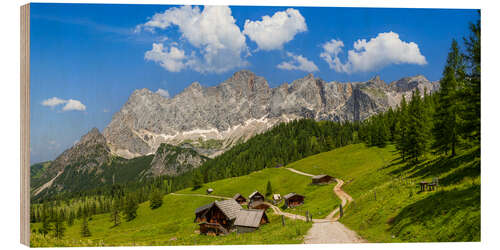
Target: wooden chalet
[(256, 196), (240, 198), (293, 200), (209, 191), (250, 220), (217, 217), (276, 197), (261, 205), (321, 179)]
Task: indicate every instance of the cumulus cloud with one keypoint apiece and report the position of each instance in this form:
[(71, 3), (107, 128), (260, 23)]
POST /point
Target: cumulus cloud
[(52, 102), (272, 32), (69, 104), (163, 93), (385, 49), (74, 105), (298, 62), (173, 59), (212, 31)]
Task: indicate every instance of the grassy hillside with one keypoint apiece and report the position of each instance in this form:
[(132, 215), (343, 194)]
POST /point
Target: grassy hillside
[(388, 206), (171, 224), (319, 200)]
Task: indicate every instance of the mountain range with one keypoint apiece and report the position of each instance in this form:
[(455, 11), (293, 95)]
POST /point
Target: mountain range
[(152, 135)]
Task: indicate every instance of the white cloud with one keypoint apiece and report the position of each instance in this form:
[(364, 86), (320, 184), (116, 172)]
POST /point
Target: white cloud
[(163, 93), (69, 105), (272, 32), (172, 59), (298, 62), (52, 102), (212, 31), (74, 105), (385, 49)]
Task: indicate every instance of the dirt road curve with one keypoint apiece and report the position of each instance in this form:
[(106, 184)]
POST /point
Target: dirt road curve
[(204, 195)]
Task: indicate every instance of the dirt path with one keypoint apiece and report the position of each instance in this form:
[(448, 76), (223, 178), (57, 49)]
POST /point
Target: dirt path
[(329, 230), (204, 195)]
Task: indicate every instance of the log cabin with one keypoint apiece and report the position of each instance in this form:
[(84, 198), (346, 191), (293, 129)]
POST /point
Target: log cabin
[(293, 200), (250, 220), (217, 217), (255, 196), (261, 205), (239, 198)]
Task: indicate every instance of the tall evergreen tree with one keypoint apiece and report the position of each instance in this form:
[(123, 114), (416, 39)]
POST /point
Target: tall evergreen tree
[(156, 199), (130, 209), (115, 212), (446, 117), (401, 131), (59, 227), (418, 130), (84, 230), (269, 189)]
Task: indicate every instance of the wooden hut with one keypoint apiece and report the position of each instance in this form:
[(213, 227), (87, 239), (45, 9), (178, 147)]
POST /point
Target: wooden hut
[(249, 220), (209, 191), (276, 197), (217, 217), (259, 205), (256, 196), (293, 200), (239, 198), (321, 179)]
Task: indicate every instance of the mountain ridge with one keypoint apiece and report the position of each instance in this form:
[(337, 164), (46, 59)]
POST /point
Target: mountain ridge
[(244, 105)]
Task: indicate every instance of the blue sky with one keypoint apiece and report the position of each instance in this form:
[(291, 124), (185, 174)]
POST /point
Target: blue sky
[(87, 59)]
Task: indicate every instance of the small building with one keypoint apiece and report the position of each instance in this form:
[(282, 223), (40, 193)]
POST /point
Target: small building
[(293, 200), (256, 196), (209, 191), (321, 179), (276, 197), (217, 217), (250, 220), (261, 205), (239, 198)]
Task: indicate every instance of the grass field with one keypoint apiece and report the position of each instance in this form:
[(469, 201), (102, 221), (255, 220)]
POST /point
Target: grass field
[(388, 206)]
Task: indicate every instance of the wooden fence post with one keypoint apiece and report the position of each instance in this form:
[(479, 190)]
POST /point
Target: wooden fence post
[(375, 194), (307, 215), (341, 211), (282, 220)]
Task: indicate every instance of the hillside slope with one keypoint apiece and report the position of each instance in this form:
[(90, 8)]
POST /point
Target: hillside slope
[(388, 206)]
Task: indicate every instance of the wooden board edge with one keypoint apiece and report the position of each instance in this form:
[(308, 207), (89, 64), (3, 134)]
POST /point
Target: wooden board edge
[(25, 123)]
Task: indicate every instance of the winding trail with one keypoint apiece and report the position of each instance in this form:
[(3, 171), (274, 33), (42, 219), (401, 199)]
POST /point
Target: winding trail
[(323, 231)]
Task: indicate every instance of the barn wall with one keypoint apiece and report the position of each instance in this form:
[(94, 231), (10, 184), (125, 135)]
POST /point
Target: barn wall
[(242, 229)]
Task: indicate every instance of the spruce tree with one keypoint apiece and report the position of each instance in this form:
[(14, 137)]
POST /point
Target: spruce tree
[(446, 117), (84, 230), (269, 189), (418, 130), (130, 209), (59, 227), (156, 199), (115, 213), (46, 226)]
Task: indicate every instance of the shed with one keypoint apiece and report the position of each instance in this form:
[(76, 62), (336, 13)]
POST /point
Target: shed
[(259, 205), (239, 198), (209, 191), (222, 213), (293, 200), (249, 220), (256, 196), (321, 179), (276, 197)]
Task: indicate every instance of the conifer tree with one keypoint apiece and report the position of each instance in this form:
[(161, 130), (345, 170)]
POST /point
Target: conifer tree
[(130, 209), (115, 213), (156, 199), (46, 226), (418, 130), (84, 230), (59, 227), (269, 189), (446, 118)]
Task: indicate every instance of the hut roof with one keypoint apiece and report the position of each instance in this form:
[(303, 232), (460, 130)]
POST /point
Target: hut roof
[(210, 190), (249, 218), (254, 193), (238, 195), (229, 207), (276, 196), (204, 207), (319, 176), (290, 195)]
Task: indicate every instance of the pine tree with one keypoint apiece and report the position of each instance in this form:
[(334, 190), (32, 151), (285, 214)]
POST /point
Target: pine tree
[(84, 230), (446, 117), (269, 189), (130, 209), (156, 199), (471, 94), (59, 227), (198, 179), (115, 213), (401, 131), (418, 130), (46, 226)]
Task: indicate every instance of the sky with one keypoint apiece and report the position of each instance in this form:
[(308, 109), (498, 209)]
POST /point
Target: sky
[(86, 59)]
